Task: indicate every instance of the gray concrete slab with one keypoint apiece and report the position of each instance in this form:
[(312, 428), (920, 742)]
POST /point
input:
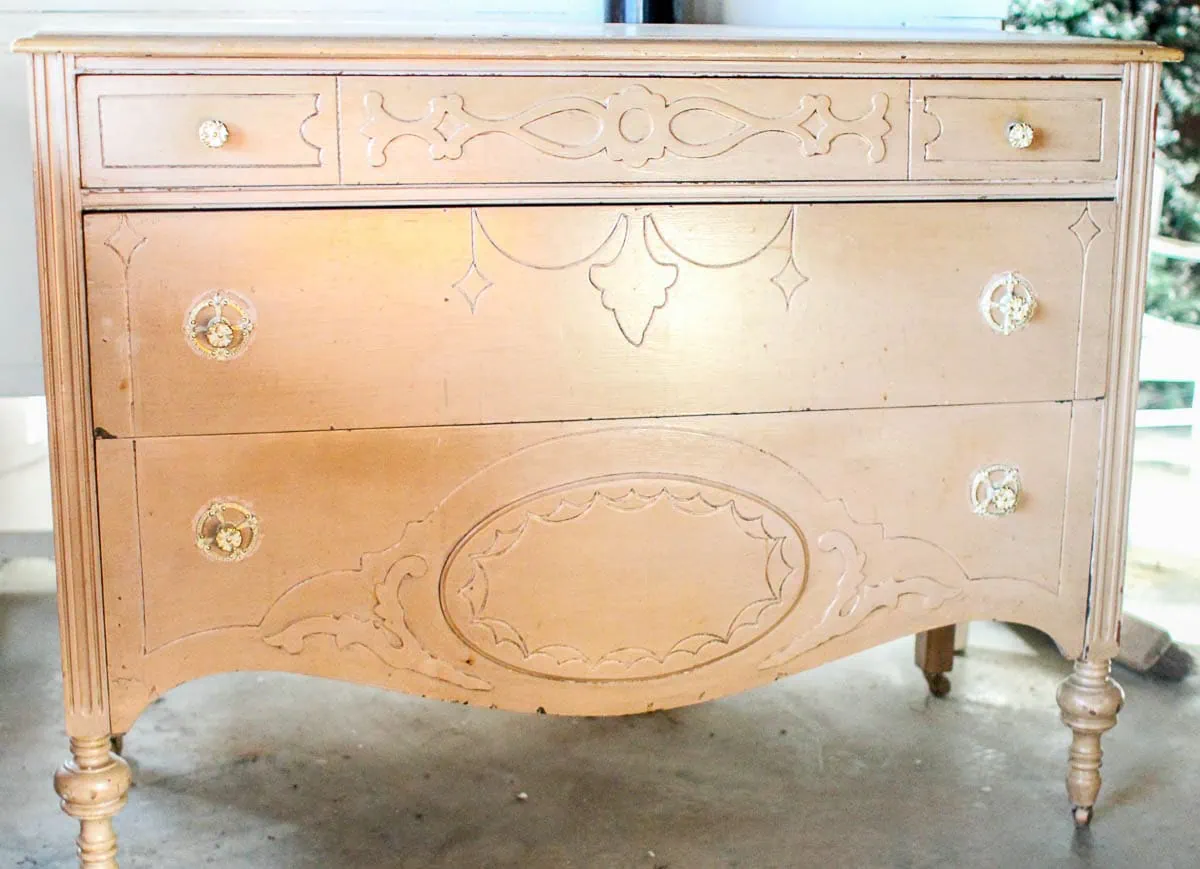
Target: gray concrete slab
[(850, 765)]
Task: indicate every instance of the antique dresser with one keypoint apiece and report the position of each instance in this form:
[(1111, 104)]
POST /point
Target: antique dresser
[(587, 374)]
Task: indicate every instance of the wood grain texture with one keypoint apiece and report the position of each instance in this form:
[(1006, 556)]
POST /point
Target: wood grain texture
[(140, 131), (1139, 100), (64, 343), (488, 574), (435, 129), (498, 315), (959, 130)]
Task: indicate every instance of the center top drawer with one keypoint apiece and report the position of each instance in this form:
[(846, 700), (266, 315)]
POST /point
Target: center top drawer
[(452, 129)]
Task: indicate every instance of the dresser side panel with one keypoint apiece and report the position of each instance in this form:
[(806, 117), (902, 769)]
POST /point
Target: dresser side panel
[(65, 349)]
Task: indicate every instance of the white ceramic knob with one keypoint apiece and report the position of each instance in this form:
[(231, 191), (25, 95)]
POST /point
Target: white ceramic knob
[(213, 133), (1020, 135)]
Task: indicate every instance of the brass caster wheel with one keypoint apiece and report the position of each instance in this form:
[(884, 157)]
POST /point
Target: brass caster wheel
[(939, 684), (1083, 815)]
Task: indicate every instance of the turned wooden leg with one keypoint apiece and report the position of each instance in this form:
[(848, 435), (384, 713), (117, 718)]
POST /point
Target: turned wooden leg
[(1089, 700), (93, 787), (935, 657)]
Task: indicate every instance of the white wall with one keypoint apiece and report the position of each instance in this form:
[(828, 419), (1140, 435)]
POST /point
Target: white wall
[(20, 346)]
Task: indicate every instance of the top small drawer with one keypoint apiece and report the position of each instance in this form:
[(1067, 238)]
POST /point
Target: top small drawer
[(1015, 130), (520, 129), (207, 131)]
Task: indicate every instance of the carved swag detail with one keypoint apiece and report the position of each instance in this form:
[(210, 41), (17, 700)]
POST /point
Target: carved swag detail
[(634, 267)]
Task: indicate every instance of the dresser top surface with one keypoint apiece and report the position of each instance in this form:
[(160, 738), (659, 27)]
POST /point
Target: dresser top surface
[(378, 37)]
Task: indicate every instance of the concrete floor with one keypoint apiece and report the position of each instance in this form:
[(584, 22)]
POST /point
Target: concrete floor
[(850, 765)]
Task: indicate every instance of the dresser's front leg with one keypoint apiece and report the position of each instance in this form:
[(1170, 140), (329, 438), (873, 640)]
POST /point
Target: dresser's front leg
[(93, 785), (1090, 700)]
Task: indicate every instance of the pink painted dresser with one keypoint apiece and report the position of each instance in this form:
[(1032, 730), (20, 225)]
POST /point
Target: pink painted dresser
[(590, 375)]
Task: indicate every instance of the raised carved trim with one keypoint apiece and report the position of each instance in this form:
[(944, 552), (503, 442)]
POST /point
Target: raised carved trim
[(374, 606), (635, 280), (783, 581), (634, 126), (316, 112), (380, 627), (858, 597)]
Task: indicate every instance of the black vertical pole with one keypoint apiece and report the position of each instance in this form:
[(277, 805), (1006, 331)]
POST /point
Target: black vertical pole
[(641, 11)]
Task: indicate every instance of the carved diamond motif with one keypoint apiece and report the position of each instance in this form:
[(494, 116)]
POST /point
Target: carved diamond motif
[(789, 279), (1085, 229), (472, 285), (125, 241)]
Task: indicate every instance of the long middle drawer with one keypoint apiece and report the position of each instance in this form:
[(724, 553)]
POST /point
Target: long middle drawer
[(302, 320)]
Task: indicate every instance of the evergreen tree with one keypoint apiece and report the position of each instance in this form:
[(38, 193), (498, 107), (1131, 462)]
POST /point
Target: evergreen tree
[(1173, 289)]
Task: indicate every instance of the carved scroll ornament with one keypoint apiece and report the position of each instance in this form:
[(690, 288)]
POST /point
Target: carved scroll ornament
[(596, 579), (634, 126)]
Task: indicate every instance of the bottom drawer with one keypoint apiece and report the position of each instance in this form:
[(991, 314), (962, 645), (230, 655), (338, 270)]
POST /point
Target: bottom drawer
[(589, 568)]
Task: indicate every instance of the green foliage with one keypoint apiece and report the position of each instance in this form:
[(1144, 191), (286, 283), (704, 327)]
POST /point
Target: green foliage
[(1173, 290)]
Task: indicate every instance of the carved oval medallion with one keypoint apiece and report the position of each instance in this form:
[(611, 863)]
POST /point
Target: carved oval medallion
[(620, 578)]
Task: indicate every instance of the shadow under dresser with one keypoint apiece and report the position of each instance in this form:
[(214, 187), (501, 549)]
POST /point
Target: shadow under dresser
[(588, 375)]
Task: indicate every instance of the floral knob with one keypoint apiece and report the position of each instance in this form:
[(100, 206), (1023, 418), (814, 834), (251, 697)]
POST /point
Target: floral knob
[(995, 490), (226, 531), (1020, 135), (213, 133), (1008, 303), (219, 325)]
